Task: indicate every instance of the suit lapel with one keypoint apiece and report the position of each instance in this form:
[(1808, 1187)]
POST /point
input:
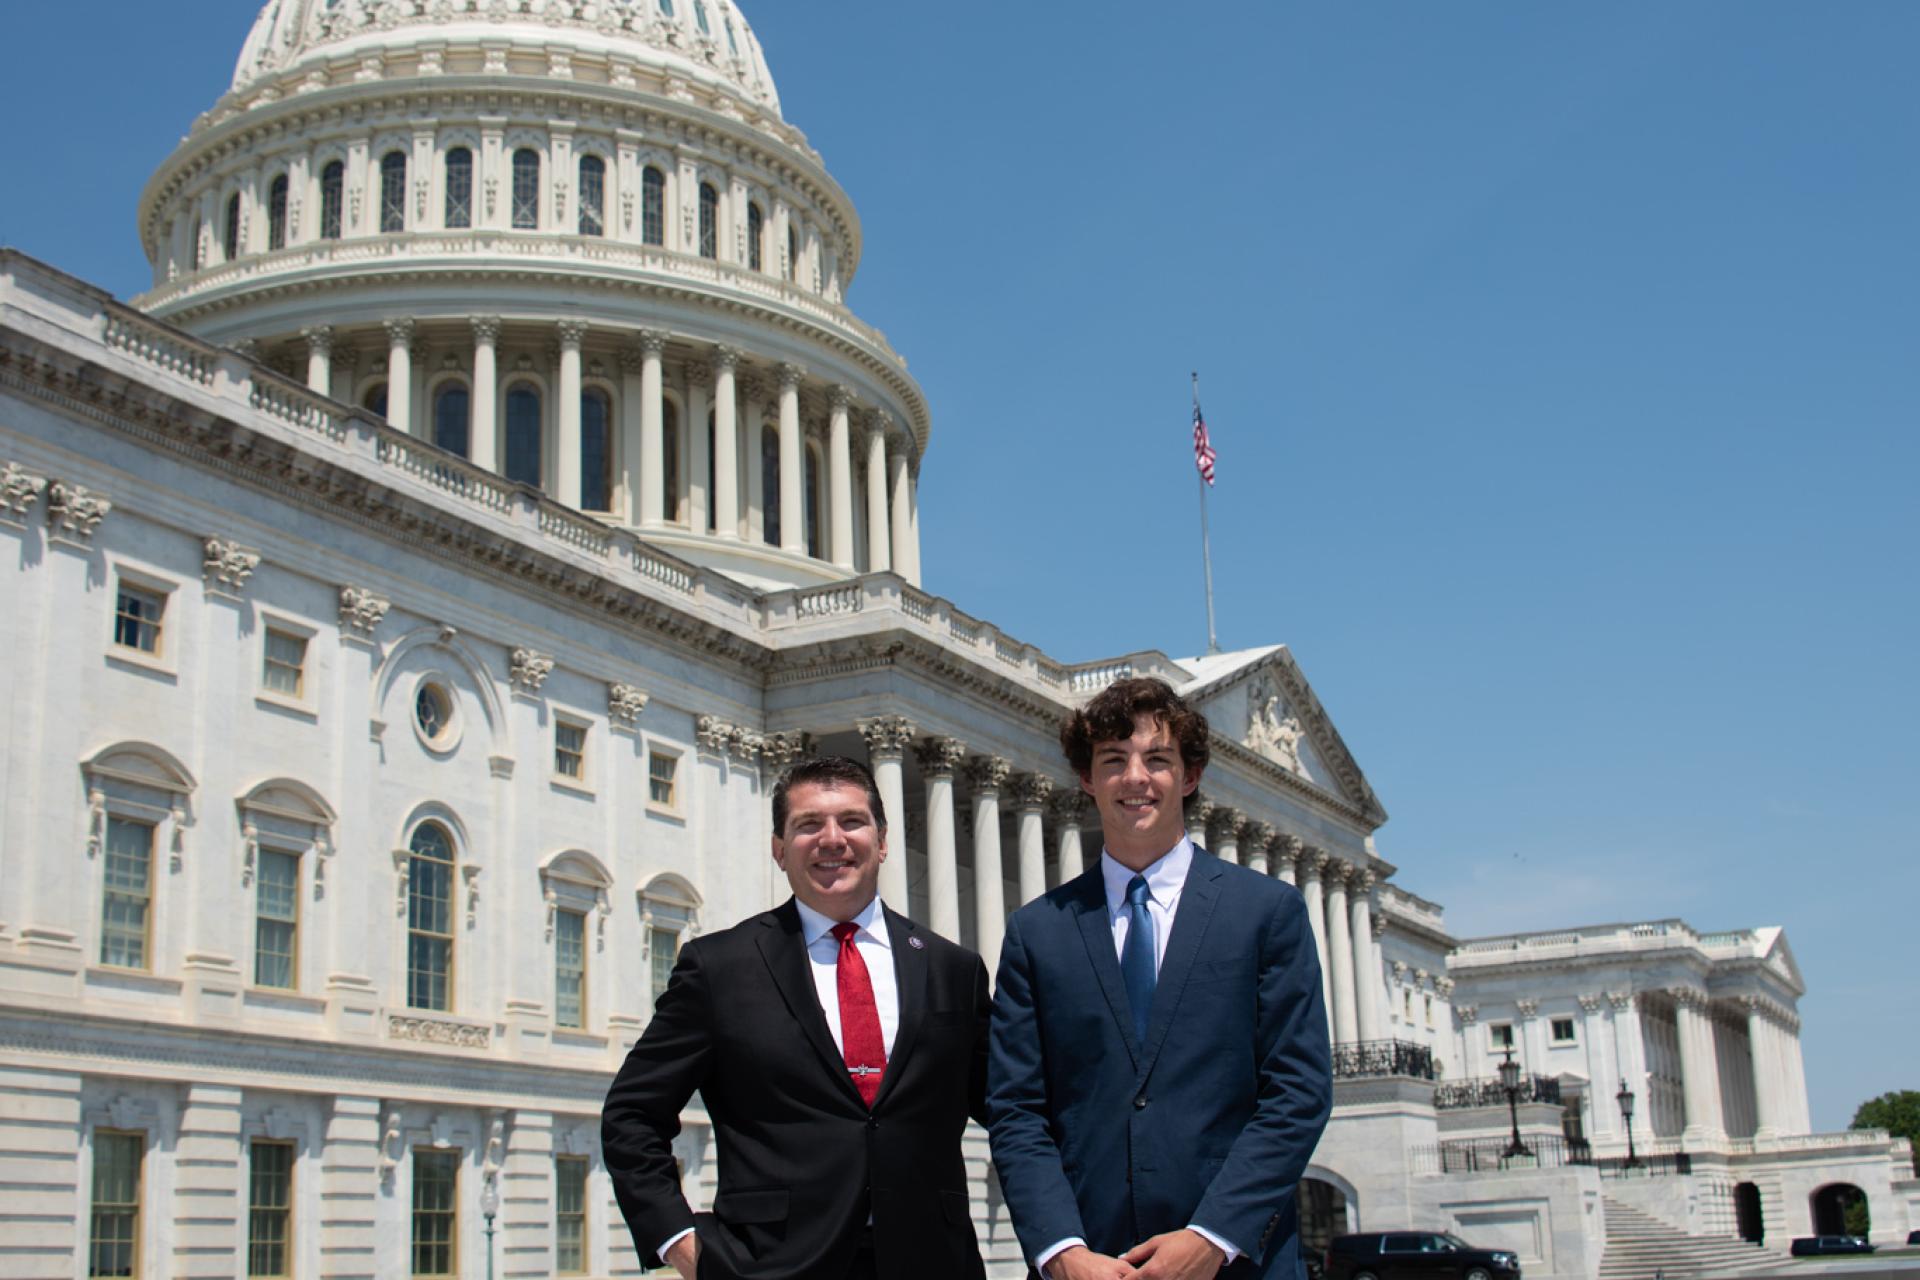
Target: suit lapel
[(1197, 898), (1096, 930), (786, 955), (910, 980)]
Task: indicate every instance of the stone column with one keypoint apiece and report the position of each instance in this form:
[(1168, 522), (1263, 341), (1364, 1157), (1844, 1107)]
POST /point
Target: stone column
[(1796, 1071), (1603, 1110), (1312, 862), (793, 510), (1199, 814), (887, 739), (1473, 1059), (1031, 792), (1366, 968), (752, 395), (208, 1184), (1226, 835), (879, 544), (1763, 1044), (1069, 816), (632, 434), (1699, 1068), (1630, 1056), (319, 359), (839, 479), (1286, 859), (356, 1158), (726, 439), (900, 510), (486, 392), (567, 483), (985, 776), (1346, 1029), (1259, 839), (913, 529), (653, 449), (699, 388), (939, 757), (400, 375), (525, 1180)]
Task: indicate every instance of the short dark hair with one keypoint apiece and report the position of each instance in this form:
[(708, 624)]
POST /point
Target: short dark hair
[(830, 770), (1110, 715)]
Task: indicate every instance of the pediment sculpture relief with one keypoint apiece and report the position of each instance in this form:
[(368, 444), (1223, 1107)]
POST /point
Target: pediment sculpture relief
[(1272, 728)]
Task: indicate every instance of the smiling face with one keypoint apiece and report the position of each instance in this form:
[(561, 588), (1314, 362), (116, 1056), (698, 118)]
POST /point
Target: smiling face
[(832, 848), (1138, 784)]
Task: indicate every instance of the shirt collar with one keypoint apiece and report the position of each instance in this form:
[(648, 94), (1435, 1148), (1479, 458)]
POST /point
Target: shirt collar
[(1165, 875), (814, 926)]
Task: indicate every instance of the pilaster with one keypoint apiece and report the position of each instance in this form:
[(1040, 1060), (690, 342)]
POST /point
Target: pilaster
[(209, 1181), (358, 1160)]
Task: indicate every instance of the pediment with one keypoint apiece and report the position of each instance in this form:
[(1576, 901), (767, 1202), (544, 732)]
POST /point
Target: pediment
[(1779, 957), (1260, 699)]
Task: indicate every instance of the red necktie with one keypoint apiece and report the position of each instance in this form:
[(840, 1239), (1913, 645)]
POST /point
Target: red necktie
[(861, 1043)]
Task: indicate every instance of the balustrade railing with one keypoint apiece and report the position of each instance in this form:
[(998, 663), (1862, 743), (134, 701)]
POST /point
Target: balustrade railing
[(1487, 1155), (1382, 1058), (1487, 1091)]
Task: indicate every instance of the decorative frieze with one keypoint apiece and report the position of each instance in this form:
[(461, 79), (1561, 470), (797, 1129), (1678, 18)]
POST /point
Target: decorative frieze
[(228, 564), (887, 737), (461, 1035), (18, 489), (625, 702), (361, 611), (528, 669), (75, 512)]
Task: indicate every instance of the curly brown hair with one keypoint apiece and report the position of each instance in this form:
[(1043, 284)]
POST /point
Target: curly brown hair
[(1111, 714)]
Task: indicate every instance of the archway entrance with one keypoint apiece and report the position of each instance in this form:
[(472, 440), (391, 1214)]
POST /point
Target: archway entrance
[(1746, 1213), (1840, 1209), (1323, 1215)]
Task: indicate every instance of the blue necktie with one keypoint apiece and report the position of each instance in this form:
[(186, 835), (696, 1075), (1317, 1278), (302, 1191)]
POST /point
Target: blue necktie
[(1136, 956)]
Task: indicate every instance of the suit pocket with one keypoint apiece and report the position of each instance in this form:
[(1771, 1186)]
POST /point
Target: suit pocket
[(765, 1204)]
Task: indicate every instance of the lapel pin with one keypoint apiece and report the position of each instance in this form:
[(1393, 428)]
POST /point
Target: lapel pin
[(913, 940)]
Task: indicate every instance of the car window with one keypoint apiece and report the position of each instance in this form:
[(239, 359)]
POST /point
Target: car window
[(1454, 1242), (1433, 1244), (1399, 1244)]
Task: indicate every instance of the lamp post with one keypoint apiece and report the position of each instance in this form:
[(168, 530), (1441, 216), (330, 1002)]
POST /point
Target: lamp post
[(489, 1206), (1625, 1099), (1510, 1081)]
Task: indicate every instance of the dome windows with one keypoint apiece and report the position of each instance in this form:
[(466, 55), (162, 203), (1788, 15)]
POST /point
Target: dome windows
[(393, 191), (277, 213), (593, 196), (756, 231), (232, 241), (526, 189), (700, 17), (523, 434), (596, 450), (333, 181), (653, 206), (459, 207), (666, 8), (709, 221), (452, 415)]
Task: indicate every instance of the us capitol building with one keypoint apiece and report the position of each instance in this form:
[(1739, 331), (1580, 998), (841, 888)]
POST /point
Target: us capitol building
[(411, 597)]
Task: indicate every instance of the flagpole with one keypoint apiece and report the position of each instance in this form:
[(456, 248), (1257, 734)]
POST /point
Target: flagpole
[(1206, 551)]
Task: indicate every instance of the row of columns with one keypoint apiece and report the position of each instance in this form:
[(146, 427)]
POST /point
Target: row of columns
[(892, 492)]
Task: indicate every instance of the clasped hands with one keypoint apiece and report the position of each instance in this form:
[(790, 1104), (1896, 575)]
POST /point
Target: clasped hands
[(1175, 1255)]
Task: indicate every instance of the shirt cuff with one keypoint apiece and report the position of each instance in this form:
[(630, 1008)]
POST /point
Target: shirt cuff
[(678, 1236), (1049, 1254), (1214, 1240)]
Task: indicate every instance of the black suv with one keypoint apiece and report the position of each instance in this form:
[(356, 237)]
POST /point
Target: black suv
[(1415, 1255)]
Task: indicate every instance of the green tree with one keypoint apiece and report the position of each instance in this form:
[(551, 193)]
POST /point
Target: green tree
[(1898, 1113)]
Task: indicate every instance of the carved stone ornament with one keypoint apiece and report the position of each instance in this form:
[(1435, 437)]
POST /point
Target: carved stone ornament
[(1529, 1009), (392, 1136), (940, 756), (1467, 1013), (1272, 728), (228, 563), (625, 702), (1444, 986), (887, 737), (724, 738), (361, 611), (1224, 825), (987, 773), (782, 749), (75, 512), (464, 1035), (529, 669), (1031, 791), (1589, 1001), (1621, 1001), (18, 489), (1199, 811), (1070, 807)]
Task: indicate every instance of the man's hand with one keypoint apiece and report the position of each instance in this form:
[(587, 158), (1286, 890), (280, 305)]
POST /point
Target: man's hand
[(1078, 1262), (1177, 1255), (684, 1256)]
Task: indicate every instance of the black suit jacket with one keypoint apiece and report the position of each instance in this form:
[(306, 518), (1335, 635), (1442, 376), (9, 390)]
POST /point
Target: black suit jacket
[(802, 1160)]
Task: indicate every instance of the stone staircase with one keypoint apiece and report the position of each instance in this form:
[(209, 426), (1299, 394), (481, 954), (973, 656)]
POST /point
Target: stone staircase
[(1640, 1246)]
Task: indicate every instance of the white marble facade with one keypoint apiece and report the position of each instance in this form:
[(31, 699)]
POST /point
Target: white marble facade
[(410, 600)]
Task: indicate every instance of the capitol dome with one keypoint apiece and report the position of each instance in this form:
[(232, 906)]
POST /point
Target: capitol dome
[(572, 242)]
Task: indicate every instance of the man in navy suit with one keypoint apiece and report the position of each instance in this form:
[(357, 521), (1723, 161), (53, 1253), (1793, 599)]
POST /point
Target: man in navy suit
[(1159, 1071)]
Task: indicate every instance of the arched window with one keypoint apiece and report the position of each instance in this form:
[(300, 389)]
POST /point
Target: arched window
[(232, 244), (593, 196), (700, 17), (375, 399), (653, 206), (596, 450), (452, 417), (733, 46), (333, 180), (523, 433), (669, 912), (666, 7), (430, 918), (709, 221), (459, 187), (526, 188), (810, 497), (277, 213), (670, 460), (793, 253), (393, 191), (770, 486), (756, 228)]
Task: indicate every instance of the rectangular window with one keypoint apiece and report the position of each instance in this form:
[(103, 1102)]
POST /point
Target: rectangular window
[(1500, 1035), (436, 1178), (113, 1242), (459, 188), (666, 949), (570, 1215), (276, 926), (270, 1209), (285, 668), (127, 902), (570, 750), (136, 618), (570, 968), (1429, 1000), (661, 769), (1563, 1030)]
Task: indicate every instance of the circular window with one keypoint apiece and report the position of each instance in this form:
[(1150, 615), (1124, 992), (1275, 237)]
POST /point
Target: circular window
[(433, 714)]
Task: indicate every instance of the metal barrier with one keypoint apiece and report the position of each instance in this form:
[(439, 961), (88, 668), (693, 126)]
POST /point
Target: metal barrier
[(1382, 1058)]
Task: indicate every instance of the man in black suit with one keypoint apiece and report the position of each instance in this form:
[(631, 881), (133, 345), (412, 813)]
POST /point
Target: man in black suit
[(839, 1049)]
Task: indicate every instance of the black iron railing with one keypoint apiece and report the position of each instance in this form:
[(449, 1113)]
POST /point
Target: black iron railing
[(1486, 1091), (1382, 1058), (1486, 1155), (1657, 1164)]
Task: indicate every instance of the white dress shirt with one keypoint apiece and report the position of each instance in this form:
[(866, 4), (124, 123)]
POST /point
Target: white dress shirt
[(1166, 876)]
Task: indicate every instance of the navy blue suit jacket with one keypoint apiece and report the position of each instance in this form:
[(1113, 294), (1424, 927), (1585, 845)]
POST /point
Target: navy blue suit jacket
[(1211, 1121)]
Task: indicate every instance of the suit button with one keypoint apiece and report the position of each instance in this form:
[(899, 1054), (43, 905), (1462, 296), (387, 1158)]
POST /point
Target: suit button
[(872, 1122), (1140, 1103)]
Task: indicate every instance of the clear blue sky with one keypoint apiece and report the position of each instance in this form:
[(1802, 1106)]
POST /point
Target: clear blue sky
[(1561, 362)]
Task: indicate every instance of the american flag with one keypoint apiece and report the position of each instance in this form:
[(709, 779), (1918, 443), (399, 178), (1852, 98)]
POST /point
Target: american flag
[(1202, 448)]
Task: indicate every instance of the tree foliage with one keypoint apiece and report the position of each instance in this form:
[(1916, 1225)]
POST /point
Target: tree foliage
[(1898, 1113)]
